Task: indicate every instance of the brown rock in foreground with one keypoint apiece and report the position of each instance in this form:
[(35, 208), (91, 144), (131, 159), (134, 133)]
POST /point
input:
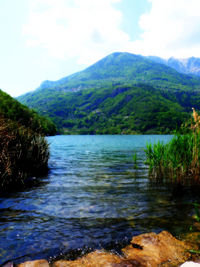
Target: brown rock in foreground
[(96, 258), (36, 263), (146, 250), (157, 250)]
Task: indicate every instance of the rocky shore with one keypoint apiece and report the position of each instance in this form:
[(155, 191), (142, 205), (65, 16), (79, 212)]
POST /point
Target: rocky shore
[(146, 250)]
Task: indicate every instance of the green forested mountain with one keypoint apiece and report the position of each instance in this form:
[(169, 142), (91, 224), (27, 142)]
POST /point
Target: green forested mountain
[(122, 93), (13, 110), (120, 68)]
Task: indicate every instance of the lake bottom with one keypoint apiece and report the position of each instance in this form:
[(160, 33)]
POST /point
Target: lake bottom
[(92, 198)]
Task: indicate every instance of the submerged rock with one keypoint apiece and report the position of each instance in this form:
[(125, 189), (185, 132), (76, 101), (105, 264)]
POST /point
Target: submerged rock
[(192, 238), (146, 250), (197, 225)]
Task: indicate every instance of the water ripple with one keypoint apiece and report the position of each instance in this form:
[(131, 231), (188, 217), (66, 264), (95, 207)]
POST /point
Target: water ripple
[(93, 197)]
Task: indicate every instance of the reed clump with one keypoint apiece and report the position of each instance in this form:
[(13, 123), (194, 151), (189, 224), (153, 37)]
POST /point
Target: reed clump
[(23, 154), (178, 160)]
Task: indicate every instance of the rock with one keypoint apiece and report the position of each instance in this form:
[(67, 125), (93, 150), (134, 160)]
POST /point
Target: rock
[(157, 249), (93, 259), (129, 263), (146, 250), (192, 238), (36, 263)]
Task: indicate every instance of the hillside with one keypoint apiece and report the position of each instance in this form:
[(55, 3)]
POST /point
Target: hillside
[(13, 110), (122, 93), (120, 68), (188, 65)]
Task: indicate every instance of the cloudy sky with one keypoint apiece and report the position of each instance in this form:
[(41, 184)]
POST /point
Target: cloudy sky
[(50, 39)]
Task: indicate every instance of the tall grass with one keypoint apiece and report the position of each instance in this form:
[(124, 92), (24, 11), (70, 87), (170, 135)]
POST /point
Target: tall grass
[(23, 153), (179, 160)]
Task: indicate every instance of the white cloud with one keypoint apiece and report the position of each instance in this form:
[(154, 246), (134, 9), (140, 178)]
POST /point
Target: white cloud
[(90, 29), (86, 29), (171, 28)]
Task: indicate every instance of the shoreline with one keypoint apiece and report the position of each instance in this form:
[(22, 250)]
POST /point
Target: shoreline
[(145, 250)]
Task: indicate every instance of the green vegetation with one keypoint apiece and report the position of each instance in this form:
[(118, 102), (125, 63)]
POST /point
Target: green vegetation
[(197, 211), (23, 154), (13, 110), (135, 159), (120, 69), (23, 150), (179, 160), (120, 94), (112, 110)]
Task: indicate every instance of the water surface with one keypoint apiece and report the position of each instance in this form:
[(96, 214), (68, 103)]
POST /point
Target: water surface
[(92, 198)]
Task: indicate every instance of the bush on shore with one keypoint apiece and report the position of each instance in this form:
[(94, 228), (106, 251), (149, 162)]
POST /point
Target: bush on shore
[(23, 154), (179, 160)]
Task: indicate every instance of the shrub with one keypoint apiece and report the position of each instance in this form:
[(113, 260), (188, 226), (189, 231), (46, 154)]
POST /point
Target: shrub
[(178, 160), (23, 153)]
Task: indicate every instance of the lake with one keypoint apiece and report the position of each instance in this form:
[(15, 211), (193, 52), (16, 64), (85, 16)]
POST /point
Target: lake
[(91, 198)]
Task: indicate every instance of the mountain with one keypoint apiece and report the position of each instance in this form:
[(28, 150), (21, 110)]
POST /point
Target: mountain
[(122, 93), (14, 111), (120, 68), (188, 65)]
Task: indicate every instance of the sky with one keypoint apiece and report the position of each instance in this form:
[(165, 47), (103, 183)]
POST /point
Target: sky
[(51, 39)]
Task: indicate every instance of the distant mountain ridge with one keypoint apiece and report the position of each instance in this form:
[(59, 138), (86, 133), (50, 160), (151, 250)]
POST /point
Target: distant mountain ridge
[(119, 68), (121, 93), (190, 66), (187, 65)]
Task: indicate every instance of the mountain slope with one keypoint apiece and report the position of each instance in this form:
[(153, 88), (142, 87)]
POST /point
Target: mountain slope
[(13, 110), (187, 66), (122, 93), (120, 68)]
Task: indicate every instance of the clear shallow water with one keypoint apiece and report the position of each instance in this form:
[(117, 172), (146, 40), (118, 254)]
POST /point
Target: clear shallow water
[(92, 197)]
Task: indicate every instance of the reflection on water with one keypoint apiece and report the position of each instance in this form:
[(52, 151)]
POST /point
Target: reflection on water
[(92, 198)]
